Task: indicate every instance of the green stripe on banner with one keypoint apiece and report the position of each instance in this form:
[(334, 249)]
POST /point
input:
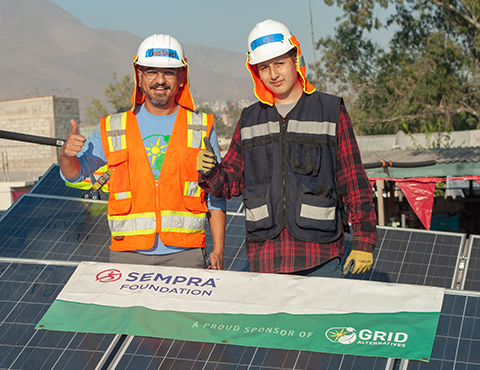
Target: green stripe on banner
[(396, 335)]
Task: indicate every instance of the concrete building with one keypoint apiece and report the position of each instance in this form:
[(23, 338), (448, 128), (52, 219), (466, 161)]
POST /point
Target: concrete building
[(22, 163)]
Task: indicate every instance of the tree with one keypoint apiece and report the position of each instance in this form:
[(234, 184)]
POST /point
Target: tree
[(118, 94), (428, 76)]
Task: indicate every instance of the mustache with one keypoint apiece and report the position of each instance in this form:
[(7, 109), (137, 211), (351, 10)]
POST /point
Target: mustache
[(154, 86)]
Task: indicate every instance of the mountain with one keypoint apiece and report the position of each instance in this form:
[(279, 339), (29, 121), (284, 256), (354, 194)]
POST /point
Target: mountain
[(47, 51)]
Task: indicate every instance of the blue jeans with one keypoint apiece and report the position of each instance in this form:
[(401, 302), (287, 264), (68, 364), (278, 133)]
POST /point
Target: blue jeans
[(331, 268)]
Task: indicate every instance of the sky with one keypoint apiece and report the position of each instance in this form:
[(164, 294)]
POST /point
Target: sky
[(223, 24)]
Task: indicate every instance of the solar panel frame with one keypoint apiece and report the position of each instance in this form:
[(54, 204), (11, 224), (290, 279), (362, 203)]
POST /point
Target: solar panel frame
[(399, 264), (55, 228), (471, 272), (156, 353), (27, 289), (457, 341), (219, 355)]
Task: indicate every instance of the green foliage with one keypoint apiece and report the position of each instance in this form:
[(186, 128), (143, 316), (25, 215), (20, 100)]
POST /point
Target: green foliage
[(427, 78), (435, 137), (94, 111), (118, 94)]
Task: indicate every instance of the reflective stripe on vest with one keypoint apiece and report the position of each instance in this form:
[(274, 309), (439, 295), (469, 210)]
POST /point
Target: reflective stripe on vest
[(183, 222), (191, 189), (309, 127), (260, 130), (87, 183), (256, 214), (317, 213), (133, 224), (115, 127), (82, 185), (196, 129), (124, 195)]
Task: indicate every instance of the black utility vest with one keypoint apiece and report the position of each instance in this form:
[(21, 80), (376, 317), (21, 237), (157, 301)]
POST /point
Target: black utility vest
[(290, 170)]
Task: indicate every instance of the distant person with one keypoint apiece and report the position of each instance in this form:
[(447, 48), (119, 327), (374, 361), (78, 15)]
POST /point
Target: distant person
[(156, 211), (295, 160)]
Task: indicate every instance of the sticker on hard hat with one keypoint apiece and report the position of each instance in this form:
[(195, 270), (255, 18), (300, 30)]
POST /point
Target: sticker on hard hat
[(276, 37), (161, 53)]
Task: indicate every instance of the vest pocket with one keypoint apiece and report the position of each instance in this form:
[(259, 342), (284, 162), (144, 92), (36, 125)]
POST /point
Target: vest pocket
[(120, 201), (258, 213), (258, 159), (307, 158), (317, 212)]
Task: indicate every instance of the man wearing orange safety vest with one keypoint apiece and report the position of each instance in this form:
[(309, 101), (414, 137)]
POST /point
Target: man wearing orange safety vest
[(295, 160), (156, 211)]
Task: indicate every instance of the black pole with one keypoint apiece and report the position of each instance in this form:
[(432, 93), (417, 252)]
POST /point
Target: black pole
[(31, 138)]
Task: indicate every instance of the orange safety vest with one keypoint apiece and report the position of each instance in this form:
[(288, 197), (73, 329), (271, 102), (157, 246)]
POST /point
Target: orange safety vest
[(173, 206)]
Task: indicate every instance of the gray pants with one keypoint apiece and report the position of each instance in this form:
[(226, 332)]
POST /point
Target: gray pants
[(193, 257)]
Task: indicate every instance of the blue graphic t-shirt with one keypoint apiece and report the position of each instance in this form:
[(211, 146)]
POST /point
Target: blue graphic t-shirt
[(155, 135), (155, 131)]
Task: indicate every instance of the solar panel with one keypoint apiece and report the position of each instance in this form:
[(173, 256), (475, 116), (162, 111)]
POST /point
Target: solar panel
[(66, 229), (411, 256), (50, 183), (26, 292), (457, 341), (154, 353), (235, 205), (471, 272), (55, 228), (235, 257)]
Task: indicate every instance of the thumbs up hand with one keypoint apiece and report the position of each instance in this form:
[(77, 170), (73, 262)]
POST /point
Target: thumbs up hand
[(74, 143), (206, 159)]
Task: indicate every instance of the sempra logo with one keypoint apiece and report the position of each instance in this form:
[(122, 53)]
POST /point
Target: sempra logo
[(341, 335), (108, 276)]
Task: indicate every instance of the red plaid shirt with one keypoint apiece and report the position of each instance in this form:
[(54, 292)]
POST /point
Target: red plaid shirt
[(284, 253)]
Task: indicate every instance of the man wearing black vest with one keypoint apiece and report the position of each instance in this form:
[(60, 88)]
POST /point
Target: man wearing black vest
[(295, 160)]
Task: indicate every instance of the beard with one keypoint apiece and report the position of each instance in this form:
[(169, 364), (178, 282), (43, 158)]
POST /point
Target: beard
[(158, 100)]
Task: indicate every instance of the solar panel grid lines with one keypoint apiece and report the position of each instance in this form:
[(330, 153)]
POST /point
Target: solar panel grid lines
[(471, 272), (457, 341), (235, 205), (410, 256), (235, 257), (50, 183), (154, 353), (39, 225), (55, 228), (27, 290)]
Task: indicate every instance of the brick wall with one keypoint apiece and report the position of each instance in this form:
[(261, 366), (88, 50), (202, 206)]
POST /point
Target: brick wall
[(43, 116)]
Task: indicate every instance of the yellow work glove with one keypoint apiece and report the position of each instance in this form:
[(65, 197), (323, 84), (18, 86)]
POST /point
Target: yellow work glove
[(206, 159), (358, 262)]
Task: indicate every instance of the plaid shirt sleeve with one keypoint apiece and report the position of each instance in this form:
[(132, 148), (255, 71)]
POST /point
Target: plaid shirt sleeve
[(355, 187), (226, 179)]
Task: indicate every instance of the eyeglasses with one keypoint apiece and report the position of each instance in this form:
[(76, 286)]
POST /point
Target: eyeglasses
[(152, 74)]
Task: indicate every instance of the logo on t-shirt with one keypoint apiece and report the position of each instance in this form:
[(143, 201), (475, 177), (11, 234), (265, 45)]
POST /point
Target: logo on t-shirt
[(156, 147)]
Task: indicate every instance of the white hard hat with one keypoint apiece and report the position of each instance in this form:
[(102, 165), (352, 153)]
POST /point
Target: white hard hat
[(162, 51), (268, 39)]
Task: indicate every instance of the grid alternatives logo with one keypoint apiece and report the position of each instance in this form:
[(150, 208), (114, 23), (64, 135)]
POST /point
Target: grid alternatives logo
[(341, 335)]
